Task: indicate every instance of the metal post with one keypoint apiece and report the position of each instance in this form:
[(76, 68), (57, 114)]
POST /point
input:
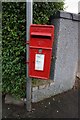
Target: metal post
[(28, 80)]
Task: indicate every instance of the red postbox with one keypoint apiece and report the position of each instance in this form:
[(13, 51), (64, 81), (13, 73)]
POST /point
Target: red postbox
[(40, 50)]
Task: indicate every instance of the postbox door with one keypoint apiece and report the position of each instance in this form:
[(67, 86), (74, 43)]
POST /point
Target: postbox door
[(40, 63)]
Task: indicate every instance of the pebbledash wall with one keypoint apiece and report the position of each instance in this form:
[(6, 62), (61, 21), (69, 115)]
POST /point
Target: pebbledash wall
[(64, 65)]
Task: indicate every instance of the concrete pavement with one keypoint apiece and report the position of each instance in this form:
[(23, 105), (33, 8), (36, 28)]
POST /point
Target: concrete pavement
[(65, 105)]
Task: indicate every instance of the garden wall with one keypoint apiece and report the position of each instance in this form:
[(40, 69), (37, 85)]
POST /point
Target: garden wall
[(65, 57)]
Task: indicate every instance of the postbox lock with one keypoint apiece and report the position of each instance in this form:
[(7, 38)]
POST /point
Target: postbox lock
[(40, 50)]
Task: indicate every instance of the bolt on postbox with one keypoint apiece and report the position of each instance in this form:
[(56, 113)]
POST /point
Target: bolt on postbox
[(40, 50)]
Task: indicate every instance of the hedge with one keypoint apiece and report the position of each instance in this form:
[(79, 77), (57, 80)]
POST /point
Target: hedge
[(13, 42)]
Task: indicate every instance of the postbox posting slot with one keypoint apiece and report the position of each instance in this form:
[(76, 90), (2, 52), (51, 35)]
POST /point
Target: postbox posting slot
[(40, 35)]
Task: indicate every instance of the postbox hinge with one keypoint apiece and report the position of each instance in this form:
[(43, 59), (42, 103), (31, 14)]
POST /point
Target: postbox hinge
[(27, 42), (27, 62)]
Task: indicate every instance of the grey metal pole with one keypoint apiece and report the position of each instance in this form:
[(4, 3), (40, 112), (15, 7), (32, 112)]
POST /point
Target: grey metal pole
[(28, 80)]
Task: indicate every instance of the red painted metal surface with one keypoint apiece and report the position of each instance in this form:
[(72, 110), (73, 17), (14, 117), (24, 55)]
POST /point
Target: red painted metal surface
[(40, 50)]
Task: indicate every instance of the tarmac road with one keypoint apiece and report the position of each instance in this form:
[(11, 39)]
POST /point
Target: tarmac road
[(65, 105)]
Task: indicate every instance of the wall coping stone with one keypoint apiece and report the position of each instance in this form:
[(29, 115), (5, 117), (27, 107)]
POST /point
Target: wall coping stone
[(66, 15)]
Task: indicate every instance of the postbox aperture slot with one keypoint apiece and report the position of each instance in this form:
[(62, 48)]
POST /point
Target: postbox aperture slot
[(40, 35)]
